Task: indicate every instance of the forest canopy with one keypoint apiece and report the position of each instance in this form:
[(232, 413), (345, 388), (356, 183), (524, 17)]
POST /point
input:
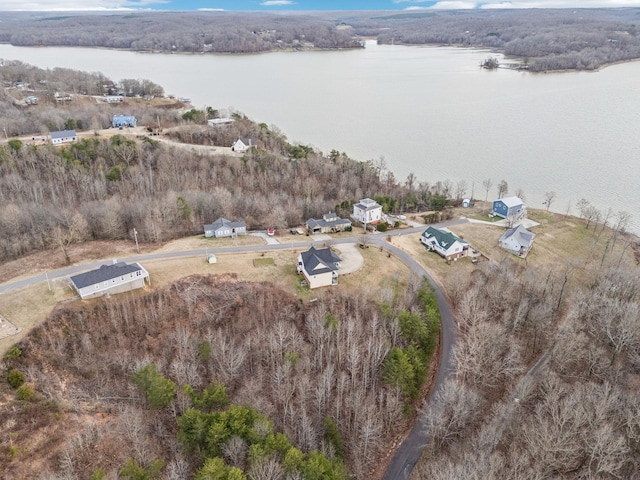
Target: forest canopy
[(544, 39)]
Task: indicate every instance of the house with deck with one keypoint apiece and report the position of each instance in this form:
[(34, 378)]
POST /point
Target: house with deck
[(319, 267), (517, 240), (225, 228), (329, 223), (367, 211), (511, 208), (445, 243), (63, 136), (110, 279)]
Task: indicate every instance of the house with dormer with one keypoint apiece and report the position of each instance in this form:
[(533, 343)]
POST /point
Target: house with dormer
[(319, 267), (445, 243), (225, 228), (329, 223)]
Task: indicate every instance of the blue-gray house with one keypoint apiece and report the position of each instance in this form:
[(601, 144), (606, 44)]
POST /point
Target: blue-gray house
[(509, 207), (123, 121)]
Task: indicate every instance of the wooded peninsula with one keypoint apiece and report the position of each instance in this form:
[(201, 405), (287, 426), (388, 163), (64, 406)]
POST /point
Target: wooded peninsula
[(542, 39)]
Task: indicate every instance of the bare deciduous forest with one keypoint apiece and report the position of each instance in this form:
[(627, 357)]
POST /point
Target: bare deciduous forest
[(547, 40), (548, 370), (317, 373)]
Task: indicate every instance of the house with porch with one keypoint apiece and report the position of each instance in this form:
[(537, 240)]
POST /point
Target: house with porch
[(329, 223), (367, 211), (517, 240), (445, 243), (319, 267), (511, 208), (63, 136), (110, 279), (225, 228)]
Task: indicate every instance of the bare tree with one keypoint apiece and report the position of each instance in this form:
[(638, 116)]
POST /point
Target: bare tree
[(488, 183), (503, 188), (548, 199)]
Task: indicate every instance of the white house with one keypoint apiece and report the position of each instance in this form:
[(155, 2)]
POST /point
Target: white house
[(444, 243), (123, 121), (242, 145), (517, 240), (63, 136), (225, 228), (116, 278), (216, 122), (367, 211), (319, 267)]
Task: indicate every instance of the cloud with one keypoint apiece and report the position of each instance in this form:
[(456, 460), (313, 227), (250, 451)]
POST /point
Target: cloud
[(453, 5), (277, 3), (479, 4), (77, 5), (211, 10)]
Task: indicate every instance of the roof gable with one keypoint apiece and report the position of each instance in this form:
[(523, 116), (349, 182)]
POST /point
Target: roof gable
[(104, 273), (320, 261), (63, 134), (444, 239)]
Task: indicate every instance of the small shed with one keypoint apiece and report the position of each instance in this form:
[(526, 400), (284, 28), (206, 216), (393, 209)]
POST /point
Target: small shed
[(211, 258)]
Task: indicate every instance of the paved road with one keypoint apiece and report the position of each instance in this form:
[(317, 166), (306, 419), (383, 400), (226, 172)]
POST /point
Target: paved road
[(409, 451)]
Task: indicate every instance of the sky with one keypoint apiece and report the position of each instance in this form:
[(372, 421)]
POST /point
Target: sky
[(299, 5)]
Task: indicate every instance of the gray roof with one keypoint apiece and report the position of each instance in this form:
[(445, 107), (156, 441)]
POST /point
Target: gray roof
[(511, 201), (367, 204), (320, 261), (523, 236), (329, 220), (223, 222), (104, 273), (63, 134)]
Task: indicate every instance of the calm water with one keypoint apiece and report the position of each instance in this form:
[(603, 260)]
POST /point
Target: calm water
[(426, 110)]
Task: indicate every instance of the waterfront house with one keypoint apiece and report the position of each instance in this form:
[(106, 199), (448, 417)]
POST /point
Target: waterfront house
[(511, 208), (517, 240)]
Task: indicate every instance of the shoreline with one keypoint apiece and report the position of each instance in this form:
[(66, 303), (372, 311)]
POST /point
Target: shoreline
[(333, 49)]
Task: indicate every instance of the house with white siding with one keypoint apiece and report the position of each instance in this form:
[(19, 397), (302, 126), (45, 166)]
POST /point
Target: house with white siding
[(115, 278), (445, 243), (367, 211), (63, 136)]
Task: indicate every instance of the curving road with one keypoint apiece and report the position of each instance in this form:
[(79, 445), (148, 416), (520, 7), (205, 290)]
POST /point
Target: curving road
[(408, 453)]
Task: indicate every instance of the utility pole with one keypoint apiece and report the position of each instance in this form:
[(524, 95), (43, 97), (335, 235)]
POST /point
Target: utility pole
[(135, 235), (47, 277)]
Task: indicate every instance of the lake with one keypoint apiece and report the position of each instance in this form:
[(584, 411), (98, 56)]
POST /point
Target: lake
[(430, 111)]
